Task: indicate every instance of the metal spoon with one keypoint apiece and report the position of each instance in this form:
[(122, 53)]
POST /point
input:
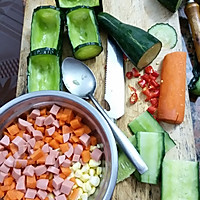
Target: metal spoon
[(80, 81)]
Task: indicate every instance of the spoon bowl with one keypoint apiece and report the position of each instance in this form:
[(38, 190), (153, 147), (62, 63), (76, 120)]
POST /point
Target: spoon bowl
[(80, 81)]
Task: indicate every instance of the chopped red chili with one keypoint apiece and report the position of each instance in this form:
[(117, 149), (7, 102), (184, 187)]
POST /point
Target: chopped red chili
[(135, 72), (149, 70), (129, 75), (134, 96), (142, 83), (151, 109)]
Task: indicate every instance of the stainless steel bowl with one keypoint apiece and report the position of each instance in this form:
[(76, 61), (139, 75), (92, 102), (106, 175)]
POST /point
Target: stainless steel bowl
[(16, 107)]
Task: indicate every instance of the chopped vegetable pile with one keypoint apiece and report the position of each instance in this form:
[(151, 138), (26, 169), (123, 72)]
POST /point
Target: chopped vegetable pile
[(49, 155)]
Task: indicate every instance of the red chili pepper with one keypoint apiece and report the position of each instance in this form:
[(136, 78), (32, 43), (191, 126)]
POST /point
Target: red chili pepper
[(151, 109), (134, 96), (149, 70), (129, 75), (145, 77), (154, 83), (154, 102), (142, 83), (125, 58), (155, 74), (152, 77), (135, 72), (150, 94)]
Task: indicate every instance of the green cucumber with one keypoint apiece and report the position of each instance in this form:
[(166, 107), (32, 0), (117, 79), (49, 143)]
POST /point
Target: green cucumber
[(74, 3), (125, 167), (83, 32), (44, 70), (171, 5), (138, 45), (180, 180), (165, 33), (146, 122), (150, 146), (47, 28)]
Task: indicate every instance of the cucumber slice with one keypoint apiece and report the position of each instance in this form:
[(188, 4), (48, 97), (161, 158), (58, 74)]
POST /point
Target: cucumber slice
[(125, 167), (165, 33), (180, 180), (145, 122), (150, 145)]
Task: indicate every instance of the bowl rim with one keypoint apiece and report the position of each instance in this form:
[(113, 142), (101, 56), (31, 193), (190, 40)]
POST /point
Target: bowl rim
[(90, 108)]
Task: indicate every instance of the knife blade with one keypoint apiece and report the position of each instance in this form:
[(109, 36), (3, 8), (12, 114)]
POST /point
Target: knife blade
[(114, 86)]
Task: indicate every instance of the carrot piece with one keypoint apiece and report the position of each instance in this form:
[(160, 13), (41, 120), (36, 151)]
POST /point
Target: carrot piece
[(73, 179), (31, 182), (47, 139), (61, 122), (30, 120), (2, 194), (93, 140), (8, 180), (36, 198), (18, 165), (55, 134), (9, 154), (85, 156), (39, 144), (20, 134), (13, 129), (78, 117), (75, 123), (7, 198), (42, 159), (37, 154), (74, 194), (171, 106), (74, 145), (59, 138), (54, 144), (31, 162), (87, 129), (75, 139), (62, 175), (5, 188), (43, 111), (44, 176), (64, 147), (66, 129), (79, 131), (40, 128), (13, 185), (66, 171), (69, 113)]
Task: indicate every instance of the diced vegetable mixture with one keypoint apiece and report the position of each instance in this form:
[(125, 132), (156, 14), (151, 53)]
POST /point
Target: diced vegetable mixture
[(50, 154)]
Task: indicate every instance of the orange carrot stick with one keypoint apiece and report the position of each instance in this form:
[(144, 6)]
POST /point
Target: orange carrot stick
[(171, 106)]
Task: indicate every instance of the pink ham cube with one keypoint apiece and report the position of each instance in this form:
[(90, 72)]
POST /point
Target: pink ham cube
[(66, 186), (21, 184), (61, 197), (5, 140), (30, 193), (49, 120), (35, 113), (9, 161), (57, 181), (29, 170), (16, 173), (54, 109), (96, 154), (42, 184), (42, 194)]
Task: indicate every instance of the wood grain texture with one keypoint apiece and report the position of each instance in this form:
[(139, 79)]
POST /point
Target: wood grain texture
[(142, 14)]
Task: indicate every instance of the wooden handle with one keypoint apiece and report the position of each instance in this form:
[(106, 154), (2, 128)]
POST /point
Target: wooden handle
[(193, 15)]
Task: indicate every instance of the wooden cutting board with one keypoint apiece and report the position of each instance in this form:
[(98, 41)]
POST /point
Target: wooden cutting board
[(141, 13)]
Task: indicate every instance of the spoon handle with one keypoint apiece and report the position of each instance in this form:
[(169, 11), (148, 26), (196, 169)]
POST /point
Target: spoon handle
[(122, 140)]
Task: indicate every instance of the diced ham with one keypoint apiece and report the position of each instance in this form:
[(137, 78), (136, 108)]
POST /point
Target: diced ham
[(66, 137), (61, 159), (19, 141), (39, 121), (53, 170), (54, 109), (3, 176), (39, 170), (42, 184), (17, 155), (78, 149), (22, 124), (37, 135), (45, 148), (61, 197), (49, 120), (56, 192), (42, 194), (1, 147), (26, 137), (9, 161), (35, 113), (30, 193), (56, 123), (20, 163), (76, 158), (57, 182), (96, 154), (4, 168), (66, 163), (5, 153), (29, 170), (16, 173), (85, 139), (2, 158), (70, 151), (54, 153), (50, 160), (32, 142), (66, 186), (30, 129), (21, 183), (50, 131), (5, 140), (22, 149)]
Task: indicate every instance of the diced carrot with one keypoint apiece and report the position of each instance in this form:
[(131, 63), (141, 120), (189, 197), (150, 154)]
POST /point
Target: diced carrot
[(44, 176), (55, 134), (74, 145), (85, 156), (37, 198), (79, 131), (8, 180), (46, 198), (20, 134), (73, 179), (13, 185), (78, 117), (31, 162), (13, 129), (74, 194), (87, 129), (18, 165), (75, 123), (43, 111), (9, 154), (2, 194), (31, 182), (62, 175), (66, 129), (42, 159), (59, 138), (61, 122), (54, 144), (47, 139), (171, 106), (69, 113), (39, 144), (93, 140), (30, 120), (24, 156), (7, 198), (40, 128), (64, 147), (37, 154), (75, 139), (66, 171), (5, 188), (50, 189)]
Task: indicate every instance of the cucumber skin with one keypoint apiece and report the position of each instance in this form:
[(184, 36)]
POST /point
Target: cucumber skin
[(133, 41), (171, 5), (181, 167)]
